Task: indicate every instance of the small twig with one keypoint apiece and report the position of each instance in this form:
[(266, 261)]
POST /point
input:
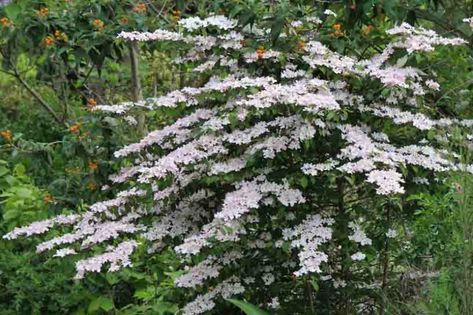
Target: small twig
[(386, 260), (32, 91), (137, 93), (310, 297), (38, 97), (87, 75)]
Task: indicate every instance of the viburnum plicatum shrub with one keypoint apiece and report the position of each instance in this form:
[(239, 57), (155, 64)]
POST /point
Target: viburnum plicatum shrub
[(280, 181)]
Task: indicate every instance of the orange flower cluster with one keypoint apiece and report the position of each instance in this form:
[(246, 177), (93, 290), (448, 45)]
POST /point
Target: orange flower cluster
[(91, 103), (176, 15), (260, 52), (98, 24), (338, 30), (93, 166), (48, 198), (48, 41), (60, 36), (5, 22), (140, 8), (75, 128), (43, 12), (6, 135), (301, 44)]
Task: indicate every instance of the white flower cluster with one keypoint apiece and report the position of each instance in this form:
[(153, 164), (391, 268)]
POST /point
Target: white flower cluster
[(92, 232), (118, 256), (315, 169), (41, 227), (218, 230), (65, 252), (358, 236), (274, 304), (391, 233), (188, 95), (469, 21), (387, 182), (218, 21), (207, 269), (420, 39), (180, 129), (309, 235), (204, 303), (249, 194), (358, 256), (160, 35)]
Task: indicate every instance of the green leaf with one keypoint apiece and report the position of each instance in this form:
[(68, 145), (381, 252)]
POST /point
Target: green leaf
[(24, 192), (304, 182), (401, 62), (145, 294), (315, 285), (20, 170), (286, 247), (80, 311), (248, 308), (3, 171), (101, 302), (180, 5), (12, 11), (162, 307), (277, 27)]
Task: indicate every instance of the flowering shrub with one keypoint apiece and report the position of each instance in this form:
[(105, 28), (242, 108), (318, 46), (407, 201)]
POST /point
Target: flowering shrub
[(281, 165)]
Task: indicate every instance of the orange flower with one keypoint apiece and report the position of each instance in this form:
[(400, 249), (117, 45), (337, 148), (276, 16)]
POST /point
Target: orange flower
[(5, 22), (140, 8), (60, 36), (337, 27), (75, 128), (6, 135), (91, 103), (176, 15), (48, 41), (260, 52), (98, 24), (47, 198), (301, 44), (93, 166), (124, 20), (43, 12)]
